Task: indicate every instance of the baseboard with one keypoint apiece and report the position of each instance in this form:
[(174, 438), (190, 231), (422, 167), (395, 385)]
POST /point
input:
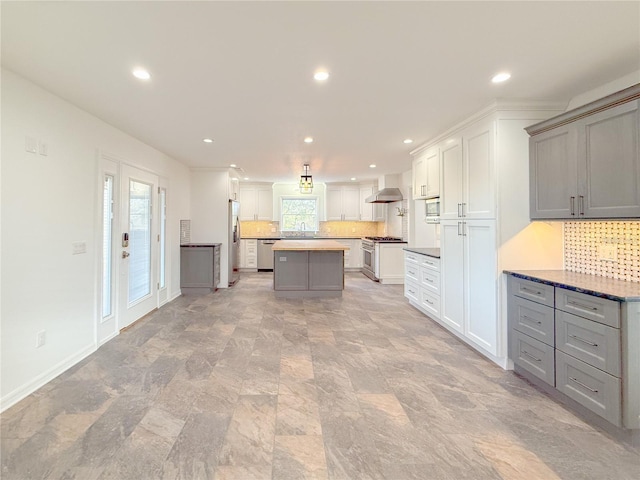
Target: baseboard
[(110, 337), (21, 392), (392, 280)]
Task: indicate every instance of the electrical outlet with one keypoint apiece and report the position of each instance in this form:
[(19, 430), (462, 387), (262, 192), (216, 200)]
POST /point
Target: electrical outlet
[(43, 148), (353, 230), (608, 252), (273, 229), (41, 338)]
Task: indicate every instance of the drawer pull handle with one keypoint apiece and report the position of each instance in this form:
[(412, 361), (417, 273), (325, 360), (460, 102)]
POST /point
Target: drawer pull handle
[(428, 301), (524, 352), (412, 292), (428, 280), (584, 307), (528, 290), (583, 385), (525, 317), (583, 340)]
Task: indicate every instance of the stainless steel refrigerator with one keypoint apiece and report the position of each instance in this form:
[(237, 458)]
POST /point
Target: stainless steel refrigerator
[(234, 242)]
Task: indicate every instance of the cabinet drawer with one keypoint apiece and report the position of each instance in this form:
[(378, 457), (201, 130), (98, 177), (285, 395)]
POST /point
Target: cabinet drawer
[(534, 319), (412, 271), (431, 263), (430, 302), (592, 342), (412, 257), (430, 280), (598, 309), (534, 356), (412, 291), (537, 292), (593, 388)]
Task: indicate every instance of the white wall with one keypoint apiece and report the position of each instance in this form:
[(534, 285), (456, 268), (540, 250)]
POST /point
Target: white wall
[(210, 212), (48, 202)]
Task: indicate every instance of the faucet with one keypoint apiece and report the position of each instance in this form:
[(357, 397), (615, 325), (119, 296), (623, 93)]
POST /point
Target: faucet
[(303, 228)]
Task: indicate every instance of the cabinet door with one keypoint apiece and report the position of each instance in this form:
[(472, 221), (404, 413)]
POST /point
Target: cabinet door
[(366, 209), (452, 179), (479, 176), (355, 254), (196, 267), (609, 168), (247, 198), (264, 203), (480, 283), (433, 173), (334, 203), (351, 203), (553, 160), (452, 275), (419, 170), (243, 254)]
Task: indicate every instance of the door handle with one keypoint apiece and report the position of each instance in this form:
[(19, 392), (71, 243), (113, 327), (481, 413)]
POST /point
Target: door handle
[(459, 225), (125, 254), (572, 201), (581, 205)]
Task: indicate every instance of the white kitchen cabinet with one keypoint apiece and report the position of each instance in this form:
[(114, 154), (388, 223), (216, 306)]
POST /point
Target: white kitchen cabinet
[(390, 263), (470, 280), (234, 188), (422, 283), (353, 256), (485, 221), (586, 163), (249, 254), (343, 202), (468, 178), (370, 212), (426, 174), (256, 202)]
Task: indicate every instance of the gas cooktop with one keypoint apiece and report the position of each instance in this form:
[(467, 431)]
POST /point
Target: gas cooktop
[(386, 239)]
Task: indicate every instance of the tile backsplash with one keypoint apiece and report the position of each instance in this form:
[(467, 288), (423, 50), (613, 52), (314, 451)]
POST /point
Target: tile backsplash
[(329, 229), (586, 243)]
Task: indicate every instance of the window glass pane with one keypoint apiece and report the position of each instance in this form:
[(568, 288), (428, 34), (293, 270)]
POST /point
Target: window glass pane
[(299, 214), (163, 235), (139, 240), (107, 235)]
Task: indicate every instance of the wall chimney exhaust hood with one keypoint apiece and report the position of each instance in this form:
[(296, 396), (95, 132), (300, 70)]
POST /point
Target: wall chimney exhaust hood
[(386, 195)]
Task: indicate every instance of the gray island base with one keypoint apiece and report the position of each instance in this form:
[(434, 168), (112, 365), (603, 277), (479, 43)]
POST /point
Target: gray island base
[(308, 268)]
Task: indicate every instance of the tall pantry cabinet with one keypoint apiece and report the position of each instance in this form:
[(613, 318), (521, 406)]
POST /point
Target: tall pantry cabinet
[(484, 182)]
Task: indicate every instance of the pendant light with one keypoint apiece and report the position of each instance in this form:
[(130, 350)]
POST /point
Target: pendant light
[(306, 180)]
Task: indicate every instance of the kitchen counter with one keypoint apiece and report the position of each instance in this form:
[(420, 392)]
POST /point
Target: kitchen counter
[(430, 252), (293, 237), (617, 290), (308, 245), (195, 245)]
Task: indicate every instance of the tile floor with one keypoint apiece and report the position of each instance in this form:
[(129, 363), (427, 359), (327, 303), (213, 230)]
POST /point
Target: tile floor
[(239, 385)]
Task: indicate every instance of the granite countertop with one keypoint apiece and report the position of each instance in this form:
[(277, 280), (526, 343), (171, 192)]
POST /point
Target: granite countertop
[(308, 245), (430, 252), (200, 244), (618, 290)]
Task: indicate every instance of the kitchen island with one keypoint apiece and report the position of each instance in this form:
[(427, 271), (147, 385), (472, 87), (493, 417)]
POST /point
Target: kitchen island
[(308, 268)]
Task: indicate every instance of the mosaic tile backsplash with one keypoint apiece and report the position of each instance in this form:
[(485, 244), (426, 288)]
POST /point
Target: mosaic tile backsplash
[(328, 229), (586, 243)]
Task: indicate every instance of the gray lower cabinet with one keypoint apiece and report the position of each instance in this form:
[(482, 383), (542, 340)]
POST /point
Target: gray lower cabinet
[(586, 163), (574, 342), (326, 270), (308, 273), (199, 267), (291, 270)]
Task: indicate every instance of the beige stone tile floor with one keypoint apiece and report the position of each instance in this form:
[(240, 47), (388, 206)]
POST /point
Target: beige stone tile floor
[(240, 385)]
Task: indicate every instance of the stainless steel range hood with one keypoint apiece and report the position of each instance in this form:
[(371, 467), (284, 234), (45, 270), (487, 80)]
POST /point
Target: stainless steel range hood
[(386, 195)]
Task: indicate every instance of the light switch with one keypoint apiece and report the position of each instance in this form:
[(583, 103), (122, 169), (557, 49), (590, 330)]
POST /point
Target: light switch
[(43, 148), (31, 145), (608, 252), (78, 248)]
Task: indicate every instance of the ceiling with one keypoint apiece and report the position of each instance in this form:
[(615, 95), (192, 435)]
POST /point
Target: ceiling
[(241, 73)]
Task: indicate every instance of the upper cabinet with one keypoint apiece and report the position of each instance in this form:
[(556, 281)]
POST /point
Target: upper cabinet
[(426, 174), (468, 176), (586, 163), (343, 202), (370, 212), (256, 202), (234, 188)]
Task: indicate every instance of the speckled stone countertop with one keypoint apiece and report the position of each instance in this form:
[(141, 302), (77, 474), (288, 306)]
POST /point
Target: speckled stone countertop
[(308, 245), (618, 290), (430, 252)]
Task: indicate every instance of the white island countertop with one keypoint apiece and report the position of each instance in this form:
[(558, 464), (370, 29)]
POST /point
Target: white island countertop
[(308, 245)]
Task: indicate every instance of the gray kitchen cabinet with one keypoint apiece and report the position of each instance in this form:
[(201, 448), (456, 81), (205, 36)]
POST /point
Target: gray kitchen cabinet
[(199, 268), (326, 270), (291, 270), (584, 345), (586, 163)]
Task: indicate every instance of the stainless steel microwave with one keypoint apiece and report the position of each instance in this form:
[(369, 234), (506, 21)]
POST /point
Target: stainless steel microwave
[(432, 210)]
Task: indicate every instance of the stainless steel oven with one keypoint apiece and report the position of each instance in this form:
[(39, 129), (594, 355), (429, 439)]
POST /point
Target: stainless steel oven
[(369, 258)]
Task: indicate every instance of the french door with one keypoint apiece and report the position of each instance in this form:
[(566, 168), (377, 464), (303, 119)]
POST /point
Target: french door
[(137, 247)]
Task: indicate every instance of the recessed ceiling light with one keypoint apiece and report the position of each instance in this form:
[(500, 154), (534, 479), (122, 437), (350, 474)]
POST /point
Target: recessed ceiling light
[(308, 140), (373, 165), (321, 75), (353, 179), (141, 74), (207, 140), (501, 77), (233, 165), (246, 178), (407, 140)]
